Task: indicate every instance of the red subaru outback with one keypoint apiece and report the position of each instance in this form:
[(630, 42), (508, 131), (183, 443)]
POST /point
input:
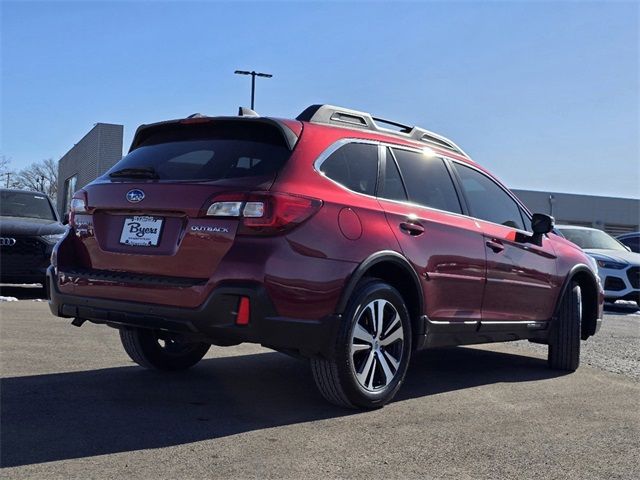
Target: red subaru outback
[(328, 237)]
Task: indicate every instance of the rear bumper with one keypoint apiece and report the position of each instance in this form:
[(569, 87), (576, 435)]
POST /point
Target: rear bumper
[(212, 322)]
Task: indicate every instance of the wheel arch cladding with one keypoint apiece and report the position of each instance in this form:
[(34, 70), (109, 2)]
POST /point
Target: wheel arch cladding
[(394, 269), (582, 275)]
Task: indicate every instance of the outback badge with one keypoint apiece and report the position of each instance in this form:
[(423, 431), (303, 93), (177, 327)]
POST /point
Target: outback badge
[(208, 229)]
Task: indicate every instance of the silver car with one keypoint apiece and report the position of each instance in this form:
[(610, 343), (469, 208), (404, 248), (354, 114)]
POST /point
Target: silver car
[(618, 266)]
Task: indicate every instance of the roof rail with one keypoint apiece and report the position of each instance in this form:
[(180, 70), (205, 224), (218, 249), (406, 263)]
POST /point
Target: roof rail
[(346, 117)]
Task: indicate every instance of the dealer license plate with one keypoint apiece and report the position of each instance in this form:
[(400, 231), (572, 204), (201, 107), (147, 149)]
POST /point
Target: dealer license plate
[(141, 231)]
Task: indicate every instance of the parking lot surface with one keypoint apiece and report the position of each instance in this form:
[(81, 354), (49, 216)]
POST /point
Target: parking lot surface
[(74, 406)]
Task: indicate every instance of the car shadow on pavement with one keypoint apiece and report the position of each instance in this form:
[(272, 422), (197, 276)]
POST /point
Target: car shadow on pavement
[(622, 308), (23, 292), (81, 414)]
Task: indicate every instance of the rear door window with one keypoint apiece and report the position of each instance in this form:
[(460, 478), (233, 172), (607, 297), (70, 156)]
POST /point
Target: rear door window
[(427, 180), (354, 166), (209, 152)]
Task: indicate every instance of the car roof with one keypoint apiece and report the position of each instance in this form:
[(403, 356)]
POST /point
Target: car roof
[(629, 235), (327, 116), (19, 190)]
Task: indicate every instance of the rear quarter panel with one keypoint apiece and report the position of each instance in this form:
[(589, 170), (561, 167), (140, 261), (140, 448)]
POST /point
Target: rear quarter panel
[(322, 236)]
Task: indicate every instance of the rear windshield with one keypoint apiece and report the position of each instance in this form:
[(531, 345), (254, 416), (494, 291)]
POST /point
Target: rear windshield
[(209, 152), (25, 205)]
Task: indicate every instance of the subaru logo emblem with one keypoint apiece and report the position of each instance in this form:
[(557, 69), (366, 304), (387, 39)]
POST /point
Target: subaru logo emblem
[(7, 242), (135, 196)]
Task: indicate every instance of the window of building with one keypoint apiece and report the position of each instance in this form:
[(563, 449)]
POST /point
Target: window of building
[(69, 189)]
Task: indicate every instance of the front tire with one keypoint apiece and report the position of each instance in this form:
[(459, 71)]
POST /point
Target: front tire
[(371, 351), (564, 340), (157, 351)]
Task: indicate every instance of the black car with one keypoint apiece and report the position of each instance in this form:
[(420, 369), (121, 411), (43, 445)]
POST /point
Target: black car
[(29, 228)]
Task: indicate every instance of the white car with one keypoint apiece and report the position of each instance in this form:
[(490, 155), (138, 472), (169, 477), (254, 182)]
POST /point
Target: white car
[(618, 266)]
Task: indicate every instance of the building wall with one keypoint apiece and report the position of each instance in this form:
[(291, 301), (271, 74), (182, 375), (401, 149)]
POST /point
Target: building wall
[(613, 215), (93, 155)]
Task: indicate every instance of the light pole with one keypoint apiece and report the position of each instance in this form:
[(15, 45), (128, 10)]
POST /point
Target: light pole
[(253, 74)]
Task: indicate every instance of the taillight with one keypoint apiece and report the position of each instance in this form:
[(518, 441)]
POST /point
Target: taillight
[(264, 213), (78, 205)]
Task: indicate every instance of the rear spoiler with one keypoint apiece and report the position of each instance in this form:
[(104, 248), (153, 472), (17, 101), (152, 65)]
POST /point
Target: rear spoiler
[(143, 131)]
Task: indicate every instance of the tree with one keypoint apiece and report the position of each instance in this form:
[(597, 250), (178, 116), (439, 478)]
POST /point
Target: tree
[(41, 176), (5, 170)]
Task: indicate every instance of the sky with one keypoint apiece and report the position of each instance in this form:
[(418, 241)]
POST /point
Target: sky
[(543, 94)]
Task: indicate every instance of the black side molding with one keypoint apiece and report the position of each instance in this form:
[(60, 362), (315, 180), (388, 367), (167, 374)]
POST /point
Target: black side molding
[(379, 257), (589, 308)]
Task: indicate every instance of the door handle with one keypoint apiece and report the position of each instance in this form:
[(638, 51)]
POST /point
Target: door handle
[(495, 245), (413, 229)]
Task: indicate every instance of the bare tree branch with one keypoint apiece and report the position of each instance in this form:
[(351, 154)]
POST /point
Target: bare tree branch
[(4, 164), (41, 176), (5, 171)]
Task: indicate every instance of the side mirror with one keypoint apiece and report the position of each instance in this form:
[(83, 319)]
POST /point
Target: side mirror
[(65, 219), (541, 223)]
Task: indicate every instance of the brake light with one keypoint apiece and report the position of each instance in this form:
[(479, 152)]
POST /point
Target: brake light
[(196, 119), (78, 205), (264, 213)]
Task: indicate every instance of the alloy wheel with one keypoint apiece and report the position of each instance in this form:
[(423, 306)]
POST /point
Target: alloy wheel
[(377, 343)]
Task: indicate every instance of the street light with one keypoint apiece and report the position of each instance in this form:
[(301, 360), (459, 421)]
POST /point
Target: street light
[(253, 74)]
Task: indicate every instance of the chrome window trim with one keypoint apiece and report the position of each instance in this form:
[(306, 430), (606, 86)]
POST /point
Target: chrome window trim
[(345, 141)]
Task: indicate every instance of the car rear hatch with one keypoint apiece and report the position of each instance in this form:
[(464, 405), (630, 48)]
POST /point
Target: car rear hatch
[(148, 215)]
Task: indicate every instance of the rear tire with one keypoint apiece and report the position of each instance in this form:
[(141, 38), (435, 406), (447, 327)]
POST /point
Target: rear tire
[(155, 351), (564, 340), (371, 351)]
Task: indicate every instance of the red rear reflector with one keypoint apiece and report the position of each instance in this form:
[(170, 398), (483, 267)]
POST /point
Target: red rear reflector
[(244, 311)]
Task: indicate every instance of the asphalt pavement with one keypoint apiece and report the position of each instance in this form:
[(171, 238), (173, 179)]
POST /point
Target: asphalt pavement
[(74, 406)]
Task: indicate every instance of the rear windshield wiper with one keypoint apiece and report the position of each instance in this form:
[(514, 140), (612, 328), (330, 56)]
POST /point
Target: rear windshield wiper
[(139, 172)]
